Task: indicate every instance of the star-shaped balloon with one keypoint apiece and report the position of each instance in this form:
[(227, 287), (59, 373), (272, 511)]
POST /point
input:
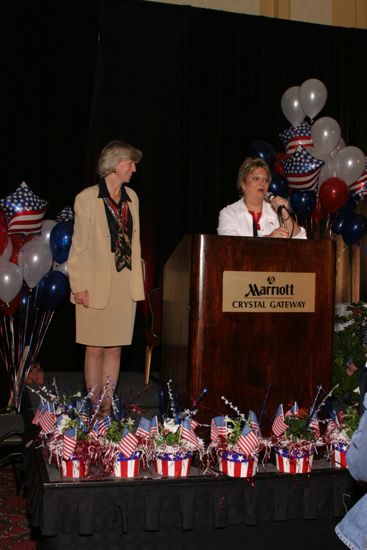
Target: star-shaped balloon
[(65, 215), (295, 136), (24, 210), (302, 169)]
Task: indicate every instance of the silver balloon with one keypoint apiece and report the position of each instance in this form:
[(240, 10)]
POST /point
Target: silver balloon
[(349, 164), (37, 261), (339, 146), (312, 96), (47, 226), (325, 133), (291, 106), (11, 281)]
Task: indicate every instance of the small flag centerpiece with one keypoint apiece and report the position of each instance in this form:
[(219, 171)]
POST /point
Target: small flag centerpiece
[(120, 449), (295, 435), (338, 433), (174, 441), (237, 442)]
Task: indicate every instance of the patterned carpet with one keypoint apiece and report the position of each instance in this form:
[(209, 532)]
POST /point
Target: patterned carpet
[(15, 529)]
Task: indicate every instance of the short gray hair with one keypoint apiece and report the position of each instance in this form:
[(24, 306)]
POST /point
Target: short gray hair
[(113, 153)]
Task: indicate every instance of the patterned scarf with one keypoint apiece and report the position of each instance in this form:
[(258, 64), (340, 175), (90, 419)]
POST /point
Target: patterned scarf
[(123, 239)]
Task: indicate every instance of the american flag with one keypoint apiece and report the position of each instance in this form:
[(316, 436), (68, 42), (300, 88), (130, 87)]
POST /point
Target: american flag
[(254, 424), (103, 426), (294, 409), (128, 444), (351, 367), (279, 426), (188, 434), (38, 414), (332, 424), (358, 189), (248, 440), (24, 210), (59, 421), (94, 432), (154, 426), (143, 430), (295, 136), (48, 419), (314, 424), (69, 443), (302, 170), (218, 428), (83, 410)]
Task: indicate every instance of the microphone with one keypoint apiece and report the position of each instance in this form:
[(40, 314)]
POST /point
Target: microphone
[(268, 197)]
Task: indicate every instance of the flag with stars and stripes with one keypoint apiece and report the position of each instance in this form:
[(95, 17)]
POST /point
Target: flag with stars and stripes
[(248, 440), (24, 210), (143, 430), (279, 426), (358, 189), (154, 426), (188, 434), (128, 444), (69, 443), (254, 424), (295, 136), (302, 170), (48, 418), (332, 424), (103, 426), (218, 428), (65, 215), (314, 425)]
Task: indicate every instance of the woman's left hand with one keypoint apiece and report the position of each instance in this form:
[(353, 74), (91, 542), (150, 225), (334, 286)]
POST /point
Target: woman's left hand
[(280, 202)]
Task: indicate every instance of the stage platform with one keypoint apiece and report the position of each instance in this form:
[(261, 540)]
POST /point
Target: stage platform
[(200, 512)]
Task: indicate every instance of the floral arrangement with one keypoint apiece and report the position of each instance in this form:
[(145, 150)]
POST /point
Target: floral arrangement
[(349, 351), (296, 430)]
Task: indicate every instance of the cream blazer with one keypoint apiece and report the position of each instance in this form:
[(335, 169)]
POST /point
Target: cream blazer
[(89, 263)]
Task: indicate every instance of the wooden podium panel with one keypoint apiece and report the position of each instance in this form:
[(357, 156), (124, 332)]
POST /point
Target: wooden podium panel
[(243, 355)]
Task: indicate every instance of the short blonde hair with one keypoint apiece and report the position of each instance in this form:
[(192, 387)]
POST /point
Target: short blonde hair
[(113, 153), (249, 165)]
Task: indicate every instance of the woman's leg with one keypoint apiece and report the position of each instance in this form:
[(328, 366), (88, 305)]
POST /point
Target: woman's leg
[(102, 365)]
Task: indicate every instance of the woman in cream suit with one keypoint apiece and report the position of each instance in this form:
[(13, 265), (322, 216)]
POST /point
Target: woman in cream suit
[(105, 270)]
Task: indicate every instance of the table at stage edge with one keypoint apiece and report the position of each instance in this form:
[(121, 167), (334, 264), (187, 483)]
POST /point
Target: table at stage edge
[(89, 508)]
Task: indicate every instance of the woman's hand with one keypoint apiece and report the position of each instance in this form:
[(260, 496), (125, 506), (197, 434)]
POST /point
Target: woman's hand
[(82, 298), (279, 233), (280, 202)]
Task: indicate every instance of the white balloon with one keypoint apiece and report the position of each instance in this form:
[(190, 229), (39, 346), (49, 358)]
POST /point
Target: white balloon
[(327, 171), (325, 133), (37, 260), (291, 106), (349, 164), (11, 281), (47, 226), (313, 96)]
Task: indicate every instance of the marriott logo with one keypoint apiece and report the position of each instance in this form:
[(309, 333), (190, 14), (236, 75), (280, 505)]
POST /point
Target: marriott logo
[(271, 289)]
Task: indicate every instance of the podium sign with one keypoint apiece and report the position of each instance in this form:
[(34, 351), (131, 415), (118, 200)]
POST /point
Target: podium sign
[(248, 318), (264, 291)]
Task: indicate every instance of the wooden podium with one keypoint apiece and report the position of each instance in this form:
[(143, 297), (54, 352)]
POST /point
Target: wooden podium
[(252, 351)]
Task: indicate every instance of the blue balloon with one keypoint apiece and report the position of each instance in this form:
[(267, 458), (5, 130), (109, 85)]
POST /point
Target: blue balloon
[(60, 240), (303, 203), (264, 151), (338, 218), (52, 290), (354, 228), (279, 185)]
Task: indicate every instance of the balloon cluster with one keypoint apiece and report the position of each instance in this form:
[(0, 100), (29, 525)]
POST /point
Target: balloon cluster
[(33, 279), (322, 177)]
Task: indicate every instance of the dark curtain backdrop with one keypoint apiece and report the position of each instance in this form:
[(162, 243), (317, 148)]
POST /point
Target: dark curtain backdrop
[(193, 88)]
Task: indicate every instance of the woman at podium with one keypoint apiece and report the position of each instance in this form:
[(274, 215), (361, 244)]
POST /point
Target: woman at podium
[(258, 213)]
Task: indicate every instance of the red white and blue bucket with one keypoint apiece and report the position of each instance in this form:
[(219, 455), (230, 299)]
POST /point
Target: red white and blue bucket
[(173, 465), (296, 461), (236, 464), (338, 455), (127, 467), (74, 467)]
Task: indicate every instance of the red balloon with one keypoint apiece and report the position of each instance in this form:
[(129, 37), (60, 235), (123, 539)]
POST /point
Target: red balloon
[(333, 194), (278, 167), (318, 213), (3, 222), (12, 307), (3, 239), (18, 241)]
